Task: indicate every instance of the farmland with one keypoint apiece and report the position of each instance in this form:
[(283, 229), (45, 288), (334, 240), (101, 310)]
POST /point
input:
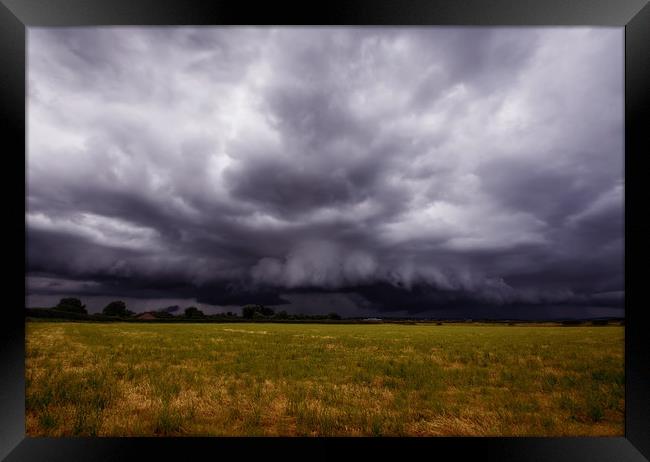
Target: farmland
[(257, 379)]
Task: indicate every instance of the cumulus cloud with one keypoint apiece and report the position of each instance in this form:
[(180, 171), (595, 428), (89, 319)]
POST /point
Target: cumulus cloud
[(396, 169)]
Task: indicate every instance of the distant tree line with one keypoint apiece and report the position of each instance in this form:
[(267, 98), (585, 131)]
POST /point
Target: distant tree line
[(73, 308), (264, 312)]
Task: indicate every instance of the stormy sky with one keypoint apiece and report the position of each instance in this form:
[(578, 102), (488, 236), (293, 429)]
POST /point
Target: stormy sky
[(468, 172)]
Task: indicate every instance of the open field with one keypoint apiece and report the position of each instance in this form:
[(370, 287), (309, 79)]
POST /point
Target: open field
[(127, 379)]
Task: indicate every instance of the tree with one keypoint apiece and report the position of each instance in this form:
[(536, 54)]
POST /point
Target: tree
[(116, 308), (265, 311), (282, 315), (256, 311), (333, 315), (193, 312), (248, 311), (71, 305)]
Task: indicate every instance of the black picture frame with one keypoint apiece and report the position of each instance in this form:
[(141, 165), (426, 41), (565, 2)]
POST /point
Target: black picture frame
[(634, 15)]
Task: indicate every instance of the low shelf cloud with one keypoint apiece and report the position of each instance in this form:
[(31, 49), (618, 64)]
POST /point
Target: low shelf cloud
[(460, 172)]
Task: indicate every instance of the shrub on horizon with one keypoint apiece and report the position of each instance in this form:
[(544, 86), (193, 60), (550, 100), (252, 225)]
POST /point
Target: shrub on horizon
[(71, 305)]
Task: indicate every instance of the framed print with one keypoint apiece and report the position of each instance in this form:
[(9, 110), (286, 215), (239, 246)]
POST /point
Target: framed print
[(363, 227)]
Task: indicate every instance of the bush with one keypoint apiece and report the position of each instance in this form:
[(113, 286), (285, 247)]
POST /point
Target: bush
[(71, 305)]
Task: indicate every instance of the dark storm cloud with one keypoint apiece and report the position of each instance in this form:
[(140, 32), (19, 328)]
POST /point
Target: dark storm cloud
[(393, 169)]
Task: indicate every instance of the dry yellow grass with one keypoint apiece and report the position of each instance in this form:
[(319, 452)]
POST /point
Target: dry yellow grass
[(314, 380)]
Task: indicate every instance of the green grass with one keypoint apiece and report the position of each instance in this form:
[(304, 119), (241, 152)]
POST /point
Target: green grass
[(125, 379)]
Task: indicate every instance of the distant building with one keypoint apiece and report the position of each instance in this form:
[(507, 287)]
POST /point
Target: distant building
[(145, 316), (372, 320)]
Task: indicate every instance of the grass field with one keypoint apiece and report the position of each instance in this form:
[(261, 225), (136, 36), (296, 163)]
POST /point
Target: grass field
[(129, 379)]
